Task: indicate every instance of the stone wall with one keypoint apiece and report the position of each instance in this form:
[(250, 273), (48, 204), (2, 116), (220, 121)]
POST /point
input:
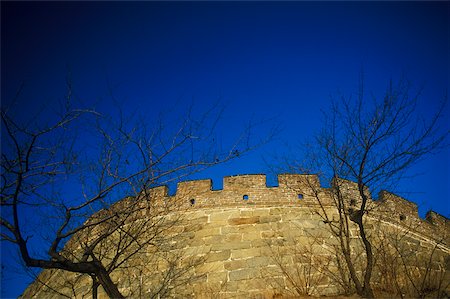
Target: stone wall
[(253, 241)]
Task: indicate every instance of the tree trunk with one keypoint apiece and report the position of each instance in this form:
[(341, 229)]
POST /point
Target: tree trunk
[(367, 288), (367, 291), (108, 285), (351, 268), (95, 285)]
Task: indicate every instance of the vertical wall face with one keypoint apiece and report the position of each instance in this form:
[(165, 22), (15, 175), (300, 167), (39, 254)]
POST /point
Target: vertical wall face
[(399, 204), (399, 209), (193, 187), (438, 220), (301, 182), (245, 240), (254, 181), (158, 192)]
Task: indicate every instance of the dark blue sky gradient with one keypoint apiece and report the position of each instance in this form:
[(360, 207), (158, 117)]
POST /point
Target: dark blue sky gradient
[(261, 60)]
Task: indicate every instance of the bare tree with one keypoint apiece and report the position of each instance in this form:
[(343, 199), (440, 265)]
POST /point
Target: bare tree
[(408, 268), (63, 187), (372, 142)]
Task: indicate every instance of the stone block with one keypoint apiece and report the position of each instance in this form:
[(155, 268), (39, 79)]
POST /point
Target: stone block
[(233, 237), (197, 242), (231, 245), (217, 277), (260, 243), (245, 253), (193, 188), (210, 267), (252, 236), (206, 232), (309, 223), (259, 261), (253, 284), (243, 220), (223, 216), (277, 211), (249, 273), (225, 230), (315, 233), (271, 218), (246, 212), (292, 216), (292, 234), (212, 240), (299, 182), (269, 234), (230, 289), (260, 212), (218, 256), (243, 182), (248, 228), (199, 220), (269, 251), (235, 264)]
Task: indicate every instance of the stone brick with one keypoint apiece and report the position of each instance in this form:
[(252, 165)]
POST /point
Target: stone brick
[(224, 216), (197, 242), (243, 220), (206, 232), (231, 245), (269, 234), (277, 211), (245, 253), (247, 228), (217, 276), (212, 240), (233, 237), (197, 250), (271, 218), (218, 256), (259, 261), (249, 273), (260, 243), (246, 212), (261, 212), (254, 284), (252, 236), (199, 220), (210, 267), (235, 264), (225, 230)]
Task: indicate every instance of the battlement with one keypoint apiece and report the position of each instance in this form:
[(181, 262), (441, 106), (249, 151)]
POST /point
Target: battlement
[(437, 219), (398, 204), (248, 189), (301, 182), (293, 190), (257, 181)]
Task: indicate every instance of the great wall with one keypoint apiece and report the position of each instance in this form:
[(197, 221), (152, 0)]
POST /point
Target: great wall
[(253, 241)]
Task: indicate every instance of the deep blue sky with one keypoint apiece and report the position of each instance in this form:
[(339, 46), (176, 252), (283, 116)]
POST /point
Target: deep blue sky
[(261, 59)]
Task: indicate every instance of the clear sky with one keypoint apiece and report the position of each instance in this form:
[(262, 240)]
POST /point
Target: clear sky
[(261, 59)]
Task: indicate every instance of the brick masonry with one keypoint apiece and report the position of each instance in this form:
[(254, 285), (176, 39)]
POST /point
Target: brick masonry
[(252, 241)]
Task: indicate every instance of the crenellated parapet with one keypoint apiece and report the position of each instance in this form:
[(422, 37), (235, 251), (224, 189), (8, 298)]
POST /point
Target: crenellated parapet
[(245, 190), (397, 205), (294, 190), (437, 219), (237, 182)]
